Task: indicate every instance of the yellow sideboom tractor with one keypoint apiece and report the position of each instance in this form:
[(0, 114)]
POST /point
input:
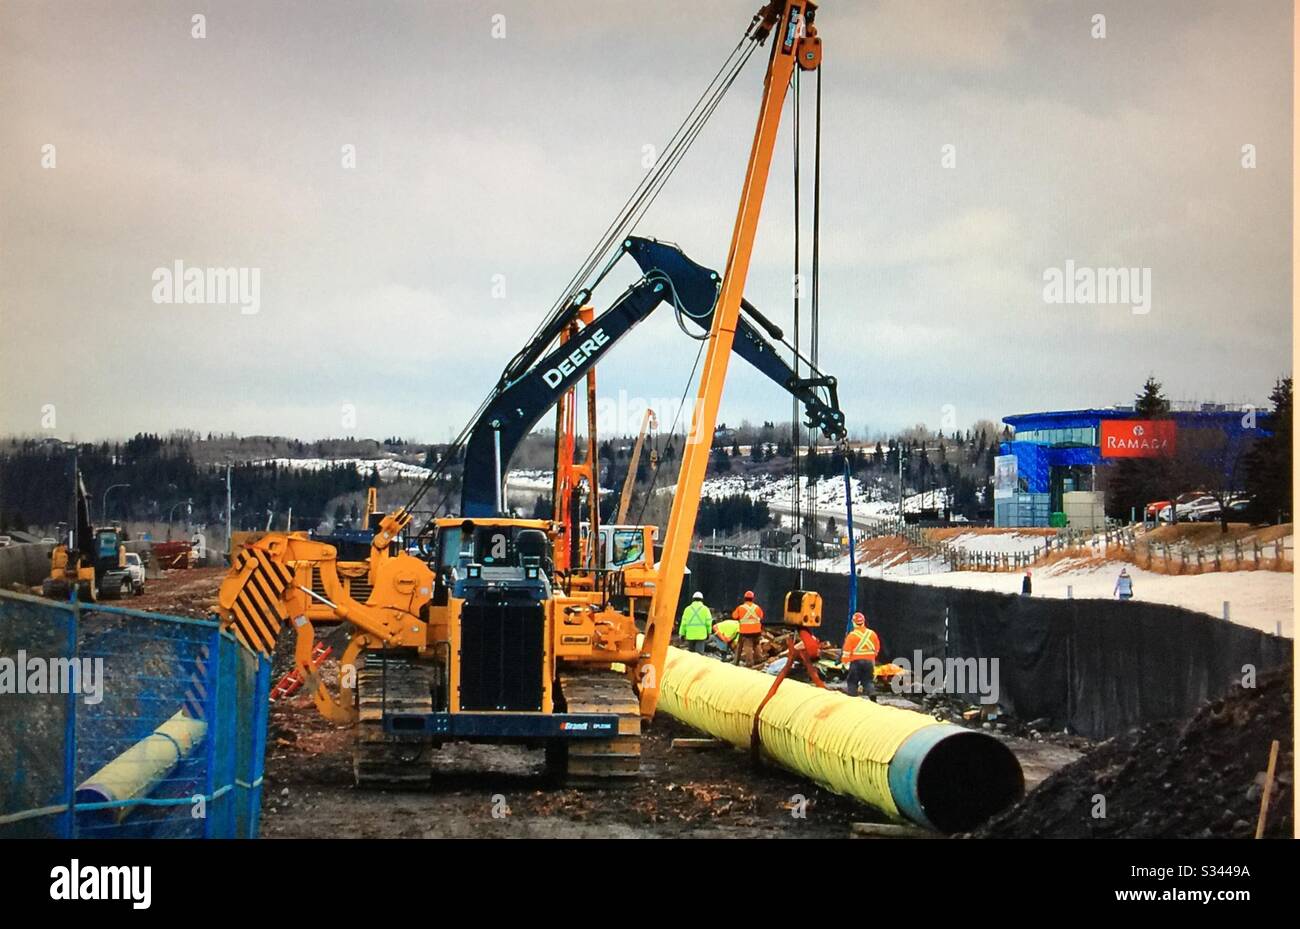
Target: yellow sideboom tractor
[(508, 630)]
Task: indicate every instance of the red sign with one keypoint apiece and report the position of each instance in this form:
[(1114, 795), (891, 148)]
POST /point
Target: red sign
[(1137, 438)]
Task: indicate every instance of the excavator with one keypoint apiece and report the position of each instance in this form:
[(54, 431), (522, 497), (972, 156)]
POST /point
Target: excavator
[(502, 631), (92, 562)]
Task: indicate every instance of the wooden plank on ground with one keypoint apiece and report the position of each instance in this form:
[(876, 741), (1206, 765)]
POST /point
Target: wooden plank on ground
[(889, 831), (696, 745)]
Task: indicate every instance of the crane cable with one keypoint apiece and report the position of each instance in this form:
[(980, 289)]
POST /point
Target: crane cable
[(796, 504), (815, 334), (647, 190), (798, 501), (681, 405), (640, 201)]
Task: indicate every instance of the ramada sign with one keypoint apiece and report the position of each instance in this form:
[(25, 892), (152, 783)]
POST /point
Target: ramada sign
[(1137, 438)]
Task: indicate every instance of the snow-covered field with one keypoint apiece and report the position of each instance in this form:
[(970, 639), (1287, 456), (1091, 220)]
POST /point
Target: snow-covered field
[(829, 495), (1263, 600), (534, 480), (1009, 543), (389, 468), (868, 500)]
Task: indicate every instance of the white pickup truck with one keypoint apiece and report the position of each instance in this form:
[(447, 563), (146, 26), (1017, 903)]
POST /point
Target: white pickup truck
[(135, 569)]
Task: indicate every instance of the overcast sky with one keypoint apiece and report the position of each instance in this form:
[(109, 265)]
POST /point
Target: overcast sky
[(478, 156)]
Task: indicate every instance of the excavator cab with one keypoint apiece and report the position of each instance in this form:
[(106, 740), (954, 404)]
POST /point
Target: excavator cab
[(621, 546), (492, 553)]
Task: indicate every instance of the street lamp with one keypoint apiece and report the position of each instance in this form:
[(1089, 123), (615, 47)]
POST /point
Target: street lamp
[(104, 510), (187, 503)]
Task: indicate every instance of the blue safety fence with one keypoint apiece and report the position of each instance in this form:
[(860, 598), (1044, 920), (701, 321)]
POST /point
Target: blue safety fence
[(121, 723)]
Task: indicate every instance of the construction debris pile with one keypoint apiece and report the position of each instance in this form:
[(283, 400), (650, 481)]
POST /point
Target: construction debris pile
[(773, 647), (1203, 777)]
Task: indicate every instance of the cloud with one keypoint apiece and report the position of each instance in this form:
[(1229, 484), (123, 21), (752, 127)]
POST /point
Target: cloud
[(484, 163)]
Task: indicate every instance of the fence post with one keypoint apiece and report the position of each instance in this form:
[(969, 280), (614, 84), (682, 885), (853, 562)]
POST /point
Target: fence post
[(70, 731), (211, 709), (261, 710)]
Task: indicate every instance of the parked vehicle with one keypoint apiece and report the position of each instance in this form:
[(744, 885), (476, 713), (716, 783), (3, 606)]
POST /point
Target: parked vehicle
[(1240, 505), (1185, 504), (135, 570), (1199, 510), (6, 541), (1155, 509)]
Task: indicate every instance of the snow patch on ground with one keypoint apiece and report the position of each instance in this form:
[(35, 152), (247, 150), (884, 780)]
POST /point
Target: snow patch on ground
[(1263, 600)]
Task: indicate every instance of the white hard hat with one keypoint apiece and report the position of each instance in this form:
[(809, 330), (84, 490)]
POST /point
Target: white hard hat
[(698, 595)]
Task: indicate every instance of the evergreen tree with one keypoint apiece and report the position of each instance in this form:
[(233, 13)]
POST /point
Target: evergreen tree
[(1268, 474)]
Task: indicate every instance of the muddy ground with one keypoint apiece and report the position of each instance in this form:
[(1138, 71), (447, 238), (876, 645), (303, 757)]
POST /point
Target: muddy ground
[(188, 593), (488, 791)]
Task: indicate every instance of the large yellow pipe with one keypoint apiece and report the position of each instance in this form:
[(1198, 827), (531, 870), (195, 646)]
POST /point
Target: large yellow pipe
[(138, 770), (904, 763)]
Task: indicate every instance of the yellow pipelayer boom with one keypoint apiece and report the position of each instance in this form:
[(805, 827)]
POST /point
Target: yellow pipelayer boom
[(487, 640)]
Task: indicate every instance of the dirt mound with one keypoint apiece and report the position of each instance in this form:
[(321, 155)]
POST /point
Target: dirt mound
[(1200, 778)]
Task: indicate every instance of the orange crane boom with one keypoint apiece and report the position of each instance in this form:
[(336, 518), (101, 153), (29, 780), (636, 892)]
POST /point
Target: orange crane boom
[(647, 422), (795, 44)]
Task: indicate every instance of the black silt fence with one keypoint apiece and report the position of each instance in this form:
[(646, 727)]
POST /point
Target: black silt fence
[(1099, 667)]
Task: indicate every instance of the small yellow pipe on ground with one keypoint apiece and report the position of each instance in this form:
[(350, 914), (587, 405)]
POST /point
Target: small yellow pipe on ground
[(903, 763), (138, 770)]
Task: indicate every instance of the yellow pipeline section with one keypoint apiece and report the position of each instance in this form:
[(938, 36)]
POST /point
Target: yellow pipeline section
[(138, 770), (848, 744)]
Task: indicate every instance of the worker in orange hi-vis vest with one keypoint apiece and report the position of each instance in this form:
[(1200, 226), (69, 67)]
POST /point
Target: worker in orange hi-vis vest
[(750, 616), (861, 646)]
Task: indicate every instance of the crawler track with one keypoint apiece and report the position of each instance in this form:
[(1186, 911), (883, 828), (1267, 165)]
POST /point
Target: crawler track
[(602, 762), (379, 759)]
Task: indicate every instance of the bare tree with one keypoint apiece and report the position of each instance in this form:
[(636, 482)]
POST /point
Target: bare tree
[(1211, 460)]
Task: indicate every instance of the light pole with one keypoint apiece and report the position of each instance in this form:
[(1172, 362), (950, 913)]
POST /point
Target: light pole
[(104, 509), (228, 507), (899, 451), (187, 503)]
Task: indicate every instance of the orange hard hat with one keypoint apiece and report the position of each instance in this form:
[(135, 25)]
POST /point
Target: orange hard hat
[(859, 619), (749, 595)]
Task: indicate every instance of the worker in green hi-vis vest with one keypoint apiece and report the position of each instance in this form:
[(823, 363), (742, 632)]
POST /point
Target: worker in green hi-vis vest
[(696, 624), (726, 634)]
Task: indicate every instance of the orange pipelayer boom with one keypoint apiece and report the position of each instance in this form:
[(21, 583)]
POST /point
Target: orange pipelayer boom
[(502, 634), (796, 45)]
